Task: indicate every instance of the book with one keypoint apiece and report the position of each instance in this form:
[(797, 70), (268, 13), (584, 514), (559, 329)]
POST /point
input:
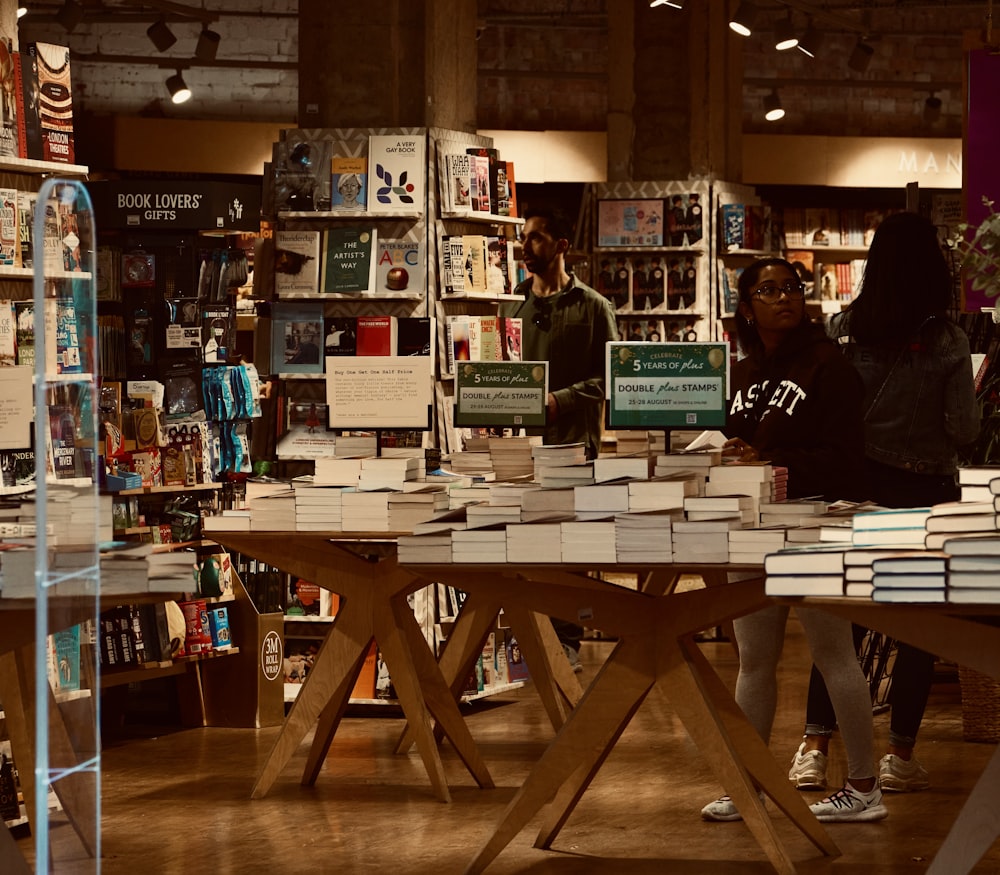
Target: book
[(10, 241), (978, 475), (376, 335), (348, 260), (922, 595), (296, 331), (29, 124), (806, 560), (26, 201), (8, 334), (348, 183), (69, 229), (499, 256), (510, 337), (397, 171), (985, 595), (415, 335), (400, 268), (480, 190), (457, 180), (492, 157), (508, 208), (296, 262), (8, 102), (341, 335), (963, 522), (904, 518), (804, 585), (55, 101), (474, 265)]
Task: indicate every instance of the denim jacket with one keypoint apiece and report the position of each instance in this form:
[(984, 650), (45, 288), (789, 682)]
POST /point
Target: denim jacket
[(920, 400)]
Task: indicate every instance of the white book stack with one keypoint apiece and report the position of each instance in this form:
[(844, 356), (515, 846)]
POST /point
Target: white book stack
[(433, 548), (859, 570), (227, 521), (973, 569), (630, 443), (74, 516), (470, 462), (706, 507), (890, 527), (557, 455), (337, 472), (389, 473), (74, 568), (355, 445), (792, 512), (813, 570), (531, 543), (974, 482), (511, 456), (480, 516), (697, 541), (475, 546), (700, 461), (637, 467), (663, 492), (170, 571), (589, 542), (318, 508), (459, 496), (750, 546), (959, 518), (643, 537), (542, 503), (601, 498), (510, 494), (755, 480), (562, 476), (408, 509), (365, 511), (274, 511), (914, 577)]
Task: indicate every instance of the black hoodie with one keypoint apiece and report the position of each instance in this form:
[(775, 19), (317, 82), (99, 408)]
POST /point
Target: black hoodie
[(801, 408)]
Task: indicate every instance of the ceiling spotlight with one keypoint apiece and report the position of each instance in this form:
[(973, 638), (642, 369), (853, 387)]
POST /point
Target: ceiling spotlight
[(861, 56), (160, 35), (742, 21), (69, 15), (772, 107), (784, 34), (673, 4), (179, 92), (208, 45), (932, 109), (809, 43)]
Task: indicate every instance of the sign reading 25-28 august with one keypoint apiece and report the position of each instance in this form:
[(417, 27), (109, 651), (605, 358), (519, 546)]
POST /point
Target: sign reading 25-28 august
[(667, 385), (509, 394)]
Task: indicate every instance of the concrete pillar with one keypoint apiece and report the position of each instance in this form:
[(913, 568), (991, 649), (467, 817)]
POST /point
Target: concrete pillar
[(677, 109), (392, 63)]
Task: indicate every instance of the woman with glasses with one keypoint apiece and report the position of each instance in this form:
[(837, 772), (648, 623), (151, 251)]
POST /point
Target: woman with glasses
[(796, 402), (920, 406)]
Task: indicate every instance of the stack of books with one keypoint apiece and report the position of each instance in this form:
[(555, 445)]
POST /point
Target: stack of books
[(792, 512), (511, 456), (549, 459), (317, 507), (273, 511), (389, 473), (589, 542), (601, 498), (460, 496), (365, 511), (713, 507), (756, 480), (337, 472), (476, 546), (510, 494), (974, 482), (531, 543), (433, 548), (664, 492), (973, 569), (699, 461), (750, 546), (859, 569), (632, 443), (959, 518), (890, 528), (471, 462), (813, 570), (227, 521), (636, 467), (920, 576), (76, 570), (479, 516), (356, 445), (74, 517), (697, 541), (410, 508), (540, 504), (645, 536)]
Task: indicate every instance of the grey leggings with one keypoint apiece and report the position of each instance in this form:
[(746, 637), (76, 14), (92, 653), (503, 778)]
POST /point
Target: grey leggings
[(760, 637)]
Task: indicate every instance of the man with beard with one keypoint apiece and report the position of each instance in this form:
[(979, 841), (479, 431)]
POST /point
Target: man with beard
[(568, 324)]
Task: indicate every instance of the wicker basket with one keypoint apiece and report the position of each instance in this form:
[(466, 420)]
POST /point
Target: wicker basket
[(980, 706)]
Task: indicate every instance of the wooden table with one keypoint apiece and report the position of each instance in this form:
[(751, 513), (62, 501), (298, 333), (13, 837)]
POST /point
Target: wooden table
[(363, 570), (954, 632), (655, 627)]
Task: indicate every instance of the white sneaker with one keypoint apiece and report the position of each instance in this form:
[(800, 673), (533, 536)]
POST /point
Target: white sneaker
[(723, 809), (902, 776), (808, 771), (850, 805)]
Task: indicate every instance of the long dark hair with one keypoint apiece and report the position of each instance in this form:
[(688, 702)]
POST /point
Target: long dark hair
[(746, 333), (906, 280)]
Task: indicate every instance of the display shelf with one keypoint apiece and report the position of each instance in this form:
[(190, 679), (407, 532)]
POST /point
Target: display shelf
[(839, 252), (481, 218), (351, 215), (697, 250), (35, 167), (155, 490), (26, 273)]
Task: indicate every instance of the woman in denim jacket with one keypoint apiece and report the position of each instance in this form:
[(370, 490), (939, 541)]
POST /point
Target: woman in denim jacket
[(920, 407)]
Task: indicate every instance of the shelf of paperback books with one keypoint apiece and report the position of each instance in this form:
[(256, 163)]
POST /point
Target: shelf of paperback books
[(34, 167)]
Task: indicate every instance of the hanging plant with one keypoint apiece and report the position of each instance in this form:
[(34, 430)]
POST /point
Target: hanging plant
[(980, 254)]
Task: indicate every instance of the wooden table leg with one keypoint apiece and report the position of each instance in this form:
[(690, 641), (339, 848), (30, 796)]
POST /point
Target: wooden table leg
[(581, 744), (326, 689)]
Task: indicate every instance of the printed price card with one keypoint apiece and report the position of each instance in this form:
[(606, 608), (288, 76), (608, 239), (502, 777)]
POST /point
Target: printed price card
[(509, 394), (667, 385)]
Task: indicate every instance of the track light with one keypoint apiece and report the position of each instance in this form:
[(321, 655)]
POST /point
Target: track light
[(809, 43), (772, 107), (932, 109), (742, 21), (69, 15), (673, 4), (784, 34), (179, 92), (160, 35), (861, 56), (208, 45)]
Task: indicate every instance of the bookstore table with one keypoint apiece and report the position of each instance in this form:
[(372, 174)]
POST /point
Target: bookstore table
[(362, 569), (958, 633), (655, 625)]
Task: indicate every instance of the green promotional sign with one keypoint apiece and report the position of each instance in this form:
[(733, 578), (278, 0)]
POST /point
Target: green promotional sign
[(667, 385), (508, 394)]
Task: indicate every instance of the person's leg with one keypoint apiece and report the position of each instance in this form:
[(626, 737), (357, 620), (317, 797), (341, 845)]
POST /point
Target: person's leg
[(912, 674), (570, 635), (821, 719)]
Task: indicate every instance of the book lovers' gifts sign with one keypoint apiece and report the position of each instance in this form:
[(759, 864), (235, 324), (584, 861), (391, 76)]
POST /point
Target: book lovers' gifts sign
[(666, 385)]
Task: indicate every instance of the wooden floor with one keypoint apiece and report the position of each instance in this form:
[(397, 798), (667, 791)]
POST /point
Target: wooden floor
[(179, 803)]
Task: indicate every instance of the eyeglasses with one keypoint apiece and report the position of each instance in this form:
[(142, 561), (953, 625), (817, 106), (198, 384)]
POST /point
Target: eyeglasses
[(543, 314), (771, 294)]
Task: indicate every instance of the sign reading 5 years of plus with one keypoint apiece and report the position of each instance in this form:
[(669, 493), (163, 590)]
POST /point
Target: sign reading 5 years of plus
[(667, 385)]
